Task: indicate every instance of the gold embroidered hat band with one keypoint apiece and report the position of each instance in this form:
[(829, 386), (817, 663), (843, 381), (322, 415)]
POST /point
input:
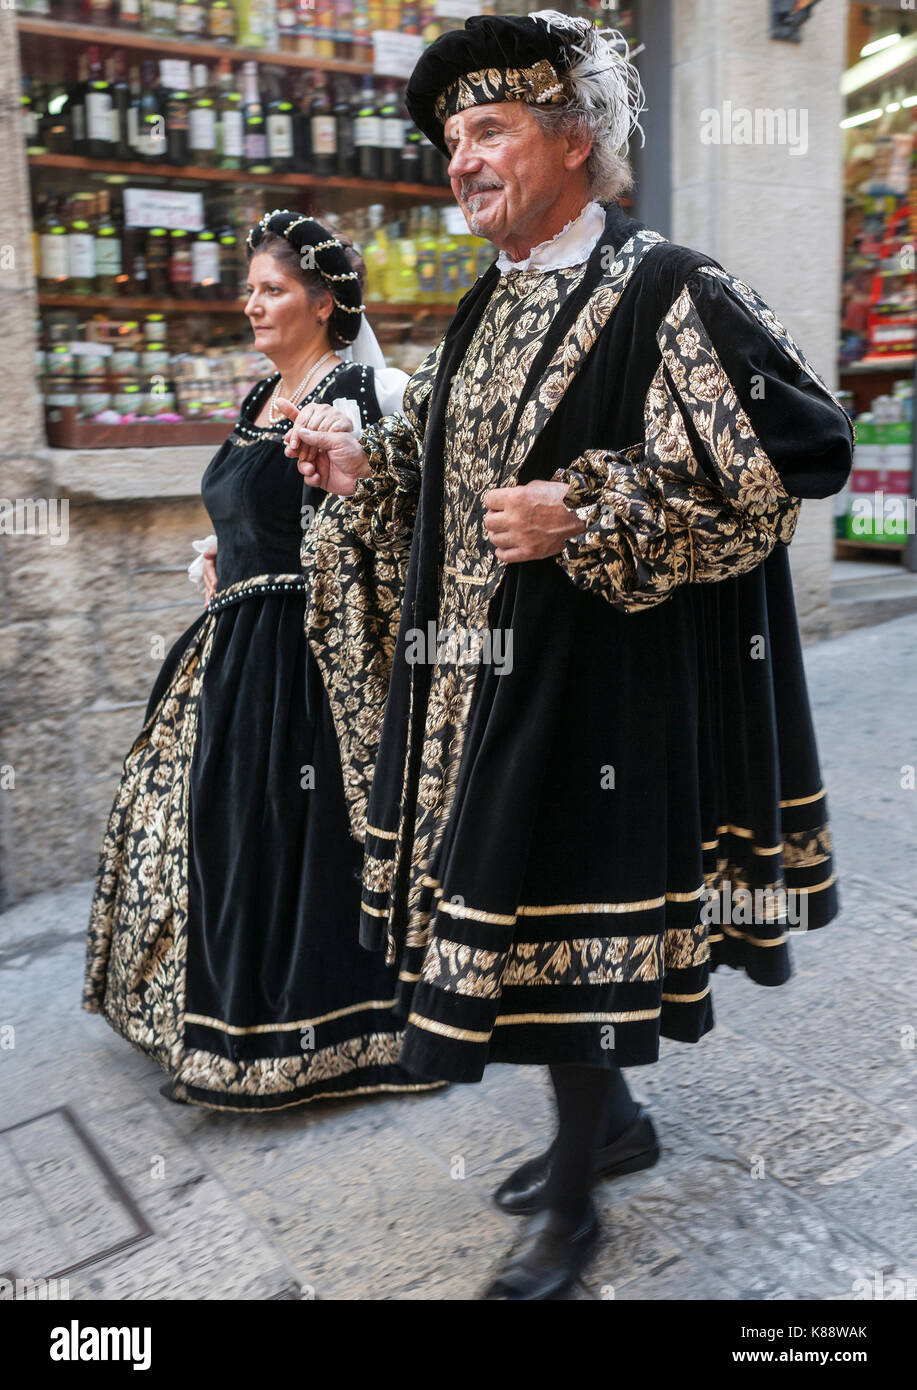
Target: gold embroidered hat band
[(327, 257), (539, 84)]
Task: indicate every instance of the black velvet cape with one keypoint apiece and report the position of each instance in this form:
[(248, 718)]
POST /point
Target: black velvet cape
[(566, 914)]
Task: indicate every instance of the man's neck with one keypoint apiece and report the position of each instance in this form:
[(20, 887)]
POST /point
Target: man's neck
[(518, 248)]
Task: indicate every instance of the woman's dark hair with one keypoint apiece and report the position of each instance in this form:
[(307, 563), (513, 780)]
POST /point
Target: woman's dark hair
[(316, 287)]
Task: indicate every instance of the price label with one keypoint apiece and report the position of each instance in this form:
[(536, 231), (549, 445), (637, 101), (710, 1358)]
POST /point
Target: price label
[(457, 9), (454, 221), (162, 207), (394, 54), (175, 73)]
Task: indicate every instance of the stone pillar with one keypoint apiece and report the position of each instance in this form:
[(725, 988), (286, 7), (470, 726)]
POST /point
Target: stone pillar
[(769, 215), (92, 586)]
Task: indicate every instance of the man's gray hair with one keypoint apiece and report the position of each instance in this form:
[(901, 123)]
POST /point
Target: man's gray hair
[(606, 100)]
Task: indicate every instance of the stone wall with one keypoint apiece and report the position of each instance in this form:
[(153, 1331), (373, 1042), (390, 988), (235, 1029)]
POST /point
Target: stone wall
[(84, 623)]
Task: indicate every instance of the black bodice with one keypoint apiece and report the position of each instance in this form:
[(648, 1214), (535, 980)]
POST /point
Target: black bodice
[(254, 493)]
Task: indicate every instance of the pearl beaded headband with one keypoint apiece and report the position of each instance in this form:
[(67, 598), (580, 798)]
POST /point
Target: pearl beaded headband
[(302, 231)]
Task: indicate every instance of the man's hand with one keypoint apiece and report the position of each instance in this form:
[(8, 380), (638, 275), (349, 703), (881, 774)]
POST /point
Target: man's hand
[(529, 522), (328, 458)]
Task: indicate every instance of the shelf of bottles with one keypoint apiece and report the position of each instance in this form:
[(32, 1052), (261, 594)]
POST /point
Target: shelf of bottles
[(158, 131)]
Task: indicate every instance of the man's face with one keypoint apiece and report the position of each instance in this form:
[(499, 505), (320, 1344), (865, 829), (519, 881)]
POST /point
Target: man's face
[(505, 171)]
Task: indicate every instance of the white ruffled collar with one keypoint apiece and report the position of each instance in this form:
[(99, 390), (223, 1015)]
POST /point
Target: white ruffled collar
[(571, 245)]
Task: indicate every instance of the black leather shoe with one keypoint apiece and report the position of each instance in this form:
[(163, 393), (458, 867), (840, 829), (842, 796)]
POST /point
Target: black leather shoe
[(636, 1148), (548, 1260)]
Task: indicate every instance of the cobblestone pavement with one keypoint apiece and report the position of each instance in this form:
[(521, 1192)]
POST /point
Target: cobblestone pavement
[(790, 1132)]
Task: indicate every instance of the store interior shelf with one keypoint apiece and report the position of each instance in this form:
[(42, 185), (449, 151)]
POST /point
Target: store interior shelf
[(148, 304), (844, 544), (897, 364), (166, 47), (130, 169)]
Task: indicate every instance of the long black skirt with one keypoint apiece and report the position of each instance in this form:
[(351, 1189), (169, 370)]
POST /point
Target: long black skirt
[(224, 928)]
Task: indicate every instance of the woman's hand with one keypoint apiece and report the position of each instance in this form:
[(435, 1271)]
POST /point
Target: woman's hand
[(210, 574), (317, 416), (328, 458)]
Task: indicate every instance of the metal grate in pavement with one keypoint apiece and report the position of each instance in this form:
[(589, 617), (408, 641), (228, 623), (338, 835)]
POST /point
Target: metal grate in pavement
[(62, 1205)]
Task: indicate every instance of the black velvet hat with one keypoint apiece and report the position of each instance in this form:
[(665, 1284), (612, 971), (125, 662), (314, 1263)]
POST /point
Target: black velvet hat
[(494, 58)]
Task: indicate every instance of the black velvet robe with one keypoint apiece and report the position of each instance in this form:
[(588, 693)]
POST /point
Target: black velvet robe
[(649, 759)]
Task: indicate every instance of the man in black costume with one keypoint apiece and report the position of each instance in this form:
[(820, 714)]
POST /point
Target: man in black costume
[(602, 462)]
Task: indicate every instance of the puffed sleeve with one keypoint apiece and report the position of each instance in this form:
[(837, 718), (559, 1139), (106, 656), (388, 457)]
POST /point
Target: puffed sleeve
[(383, 507), (738, 427)]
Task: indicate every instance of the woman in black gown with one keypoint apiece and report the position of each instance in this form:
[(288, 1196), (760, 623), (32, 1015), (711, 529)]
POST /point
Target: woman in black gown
[(223, 931)]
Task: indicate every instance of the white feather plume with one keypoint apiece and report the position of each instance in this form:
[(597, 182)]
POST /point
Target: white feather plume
[(601, 76)]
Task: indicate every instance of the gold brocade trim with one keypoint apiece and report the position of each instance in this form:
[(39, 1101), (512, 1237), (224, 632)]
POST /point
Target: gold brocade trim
[(619, 1016), (752, 940), (817, 887), (381, 834), (803, 800), (686, 998), (569, 909), (373, 911), (464, 578), (539, 85), (296, 1027), (269, 1076), (445, 1030), (476, 914), (389, 1086), (137, 947)]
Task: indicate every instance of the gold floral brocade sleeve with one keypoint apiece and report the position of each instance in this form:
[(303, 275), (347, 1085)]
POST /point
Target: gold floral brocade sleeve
[(656, 514), (383, 508)]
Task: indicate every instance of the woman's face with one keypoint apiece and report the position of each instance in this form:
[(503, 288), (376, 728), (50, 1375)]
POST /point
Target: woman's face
[(281, 314)]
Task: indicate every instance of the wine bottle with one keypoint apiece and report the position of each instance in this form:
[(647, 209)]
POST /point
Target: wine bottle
[(410, 153), (302, 131), (205, 265), (202, 122), (180, 262), (161, 17), (221, 22), (130, 14), (76, 106), (367, 137), (256, 160), (280, 131), (107, 250), (53, 250), (157, 261), (391, 130), (324, 133), (343, 124), (54, 126), (151, 130), (80, 246), (177, 127), (98, 110), (120, 107), (231, 121), (133, 113), (191, 19), (229, 262)]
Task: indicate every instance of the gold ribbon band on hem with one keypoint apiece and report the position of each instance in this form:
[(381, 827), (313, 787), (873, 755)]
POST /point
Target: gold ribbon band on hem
[(203, 1021)]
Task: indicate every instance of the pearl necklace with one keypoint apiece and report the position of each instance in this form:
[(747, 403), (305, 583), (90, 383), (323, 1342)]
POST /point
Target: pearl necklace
[(273, 414)]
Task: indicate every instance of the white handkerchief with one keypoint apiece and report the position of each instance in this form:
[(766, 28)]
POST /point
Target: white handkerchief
[(196, 567)]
